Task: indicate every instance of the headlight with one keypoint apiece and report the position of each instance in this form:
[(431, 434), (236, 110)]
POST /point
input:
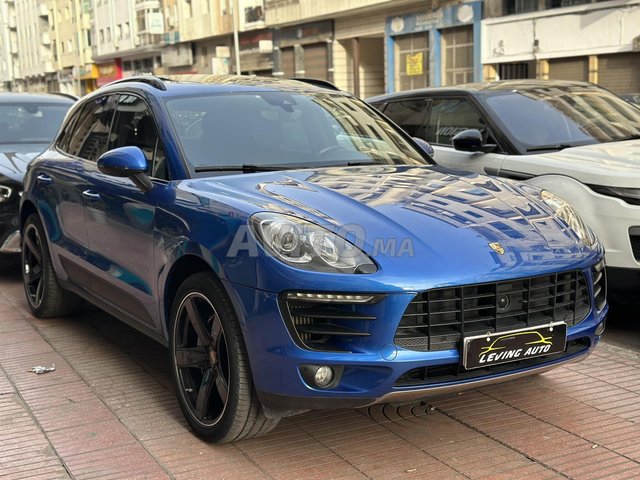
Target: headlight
[(629, 195), (305, 245), (568, 214), (5, 193)]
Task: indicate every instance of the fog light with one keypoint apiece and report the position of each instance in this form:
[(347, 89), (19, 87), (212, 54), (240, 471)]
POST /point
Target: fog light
[(323, 376), (600, 329)]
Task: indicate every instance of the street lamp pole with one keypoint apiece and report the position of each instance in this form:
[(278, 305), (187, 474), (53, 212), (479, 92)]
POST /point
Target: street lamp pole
[(236, 41)]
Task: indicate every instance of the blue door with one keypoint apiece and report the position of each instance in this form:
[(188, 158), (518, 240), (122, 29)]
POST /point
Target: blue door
[(121, 219)]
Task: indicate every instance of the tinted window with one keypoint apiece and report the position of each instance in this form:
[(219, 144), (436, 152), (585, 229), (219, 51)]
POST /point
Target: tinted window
[(134, 126), (451, 116), (30, 122), (410, 115), (90, 134), (548, 117), (285, 130)]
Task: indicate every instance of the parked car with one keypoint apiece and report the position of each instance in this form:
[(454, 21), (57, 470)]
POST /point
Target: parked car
[(633, 98), (573, 139), (295, 251), (28, 123)]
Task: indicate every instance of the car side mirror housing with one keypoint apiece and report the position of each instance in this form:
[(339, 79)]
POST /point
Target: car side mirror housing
[(424, 146), (126, 162), (470, 140)]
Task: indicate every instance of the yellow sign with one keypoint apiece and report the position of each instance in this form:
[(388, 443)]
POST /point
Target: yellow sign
[(414, 63)]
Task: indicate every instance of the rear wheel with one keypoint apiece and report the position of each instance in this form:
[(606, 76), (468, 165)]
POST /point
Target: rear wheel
[(45, 296), (210, 365)]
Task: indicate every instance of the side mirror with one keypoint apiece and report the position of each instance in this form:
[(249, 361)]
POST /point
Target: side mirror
[(471, 141), (424, 146), (126, 162)]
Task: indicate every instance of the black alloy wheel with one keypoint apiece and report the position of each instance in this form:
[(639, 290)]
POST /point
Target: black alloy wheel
[(45, 296), (210, 364)]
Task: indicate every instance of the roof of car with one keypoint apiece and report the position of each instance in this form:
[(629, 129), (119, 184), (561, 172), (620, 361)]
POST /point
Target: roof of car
[(23, 97), (484, 88), (194, 83)]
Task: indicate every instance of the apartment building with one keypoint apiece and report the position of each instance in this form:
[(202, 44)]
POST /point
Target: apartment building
[(70, 31), (586, 40), (372, 46), (36, 71), (9, 63), (126, 37)]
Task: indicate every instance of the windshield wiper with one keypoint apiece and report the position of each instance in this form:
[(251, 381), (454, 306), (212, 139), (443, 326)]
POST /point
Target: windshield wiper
[(240, 168), (635, 136), (557, 146)]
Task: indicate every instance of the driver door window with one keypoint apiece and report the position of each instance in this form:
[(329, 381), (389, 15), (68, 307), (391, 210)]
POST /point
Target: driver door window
[(134, 126), (450, 116)]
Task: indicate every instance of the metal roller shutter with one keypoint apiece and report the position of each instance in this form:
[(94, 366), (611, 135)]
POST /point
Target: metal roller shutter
[(575, 68), (620, 72), (315, 61), (288, 66)]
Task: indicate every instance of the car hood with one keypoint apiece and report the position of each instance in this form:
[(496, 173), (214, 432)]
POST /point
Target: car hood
[(614, 164), (14, 159), (424, 218)]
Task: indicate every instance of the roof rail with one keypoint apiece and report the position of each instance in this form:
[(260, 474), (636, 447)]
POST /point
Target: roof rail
[(152, 80), (317, 82), (66, 95)]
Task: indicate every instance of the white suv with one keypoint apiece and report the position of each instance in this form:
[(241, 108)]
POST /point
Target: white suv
[(574, 139)]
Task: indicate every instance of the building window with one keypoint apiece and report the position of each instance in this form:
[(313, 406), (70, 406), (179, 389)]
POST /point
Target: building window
[(412, 67), (108, 37), (457, 59), (126, 31), (565, 3), (101, 35), (512, 7)]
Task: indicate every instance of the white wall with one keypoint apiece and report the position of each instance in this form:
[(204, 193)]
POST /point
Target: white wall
[(591, 29)]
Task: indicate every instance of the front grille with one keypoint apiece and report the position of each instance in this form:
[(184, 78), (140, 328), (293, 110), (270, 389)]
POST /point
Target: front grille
[(454, 372), (599, 284), (331, 326), (438, 319), (635, 246)]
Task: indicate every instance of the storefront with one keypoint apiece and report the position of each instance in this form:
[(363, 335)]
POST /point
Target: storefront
[(88, 76), (304, 51), (108, 72), (434, 49)]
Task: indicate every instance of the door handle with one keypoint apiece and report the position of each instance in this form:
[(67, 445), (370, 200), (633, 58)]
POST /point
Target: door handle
[(44, 179), (91, 195)]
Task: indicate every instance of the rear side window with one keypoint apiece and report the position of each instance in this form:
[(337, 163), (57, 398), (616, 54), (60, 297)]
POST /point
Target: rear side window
[(410, 115), (91, 130), (451, 116)]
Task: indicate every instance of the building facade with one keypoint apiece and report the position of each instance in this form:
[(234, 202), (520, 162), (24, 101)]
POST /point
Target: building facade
[(581, 40), (9, 62)]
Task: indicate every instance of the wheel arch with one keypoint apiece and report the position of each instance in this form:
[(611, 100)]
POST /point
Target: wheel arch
[(27, 208), (182, 268)]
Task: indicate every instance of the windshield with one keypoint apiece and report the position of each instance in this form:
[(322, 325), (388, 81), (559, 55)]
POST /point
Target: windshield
[(563, 117), (30, 122), (280, 129)]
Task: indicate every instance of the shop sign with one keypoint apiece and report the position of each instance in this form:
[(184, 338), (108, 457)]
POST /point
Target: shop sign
[(108, 72), (302, 34), (89, 73), (451, 16), (414, 63)]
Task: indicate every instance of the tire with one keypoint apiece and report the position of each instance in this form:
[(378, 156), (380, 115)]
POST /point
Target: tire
[(45, 297), (210, 365)]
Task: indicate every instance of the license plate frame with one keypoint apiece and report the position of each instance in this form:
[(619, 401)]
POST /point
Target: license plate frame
[(513, 345)]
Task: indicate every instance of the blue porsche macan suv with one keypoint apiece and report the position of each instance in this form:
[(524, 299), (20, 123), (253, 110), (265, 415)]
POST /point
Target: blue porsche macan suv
[(295, 250)]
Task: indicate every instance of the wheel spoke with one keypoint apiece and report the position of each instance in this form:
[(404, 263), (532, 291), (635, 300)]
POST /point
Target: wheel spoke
[(35, 251), (216, 328), (222, 386), (204, 394), (198, 322), (38, 294), (33, 277), (187, 357)]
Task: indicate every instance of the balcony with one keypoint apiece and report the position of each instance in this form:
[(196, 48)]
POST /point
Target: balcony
[(147, 5)]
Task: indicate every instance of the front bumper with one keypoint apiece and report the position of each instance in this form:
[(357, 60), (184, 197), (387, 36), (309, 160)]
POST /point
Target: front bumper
[(369, 375)]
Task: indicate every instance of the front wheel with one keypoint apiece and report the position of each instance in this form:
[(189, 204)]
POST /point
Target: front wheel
[(210, 365)]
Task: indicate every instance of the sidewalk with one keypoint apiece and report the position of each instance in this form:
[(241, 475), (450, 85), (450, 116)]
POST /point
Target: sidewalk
[(109, 411)]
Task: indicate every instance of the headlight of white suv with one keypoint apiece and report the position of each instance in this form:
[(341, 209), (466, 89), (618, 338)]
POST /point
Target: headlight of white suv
[(570, 216), (305, 245)]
